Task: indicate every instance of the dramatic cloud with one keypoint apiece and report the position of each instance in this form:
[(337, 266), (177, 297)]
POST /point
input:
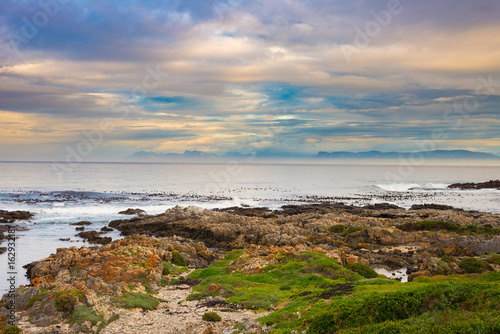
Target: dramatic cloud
[(220, 76)]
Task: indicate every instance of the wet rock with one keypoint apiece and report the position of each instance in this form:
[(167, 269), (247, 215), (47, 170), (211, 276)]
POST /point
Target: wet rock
[(12, 216), (94, 237), (81, 228), (382, 206), (106, 229), (64, 239), (432, 207), (82, 223), (132, 212), (492, 184)]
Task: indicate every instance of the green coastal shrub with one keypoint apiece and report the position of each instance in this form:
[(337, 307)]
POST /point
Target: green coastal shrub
[(353, 229), (362, 269), (439, 225), (285, 287), (82, 313), (449, 259), (178, 259), (472, 265), (138, 300), (12, 330), (392, 312), (65, 302), (212, 317), (166, 269), (336, 229), (494, 259)]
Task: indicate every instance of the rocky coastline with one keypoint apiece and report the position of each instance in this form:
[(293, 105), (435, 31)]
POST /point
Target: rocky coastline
[(163, 271), (492, 184)]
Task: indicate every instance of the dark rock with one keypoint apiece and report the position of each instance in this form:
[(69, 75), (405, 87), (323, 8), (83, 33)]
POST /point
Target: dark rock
[(492, 184), (467, 245), (132, 212), (11, 216), (80, 228), (94, 237), (249, 212), (44, 314), (64, 239), (23, 296), (81, 223), (106, 229), (382, 206), (3, 250), (338, 290), (189, 281), (431, 207)]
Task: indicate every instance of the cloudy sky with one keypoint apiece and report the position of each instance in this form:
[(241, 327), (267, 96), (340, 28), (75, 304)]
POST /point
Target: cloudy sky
[(111, 77)]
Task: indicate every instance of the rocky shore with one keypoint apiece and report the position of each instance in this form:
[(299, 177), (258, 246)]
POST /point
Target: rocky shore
[(146, 283), (7, 219), (492, 184)]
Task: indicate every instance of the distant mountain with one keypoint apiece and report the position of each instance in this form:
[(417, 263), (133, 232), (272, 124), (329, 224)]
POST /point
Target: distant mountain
[(271, 154), (187, 155), (200, 155), (437, 154)]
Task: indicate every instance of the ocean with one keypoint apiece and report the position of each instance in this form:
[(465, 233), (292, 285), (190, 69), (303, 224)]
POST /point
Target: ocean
[(60, 194)]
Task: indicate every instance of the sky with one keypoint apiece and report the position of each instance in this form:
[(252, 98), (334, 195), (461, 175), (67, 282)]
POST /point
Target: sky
[(103, 79)]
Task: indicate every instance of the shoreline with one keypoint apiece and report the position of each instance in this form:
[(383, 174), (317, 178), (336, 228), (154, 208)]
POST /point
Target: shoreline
[(379, 236)]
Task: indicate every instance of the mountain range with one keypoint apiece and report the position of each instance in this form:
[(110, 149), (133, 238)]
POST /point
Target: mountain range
[(200, 155)]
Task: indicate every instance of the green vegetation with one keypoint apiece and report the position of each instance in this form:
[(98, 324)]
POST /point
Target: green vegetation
[(166, 269), (178, 259), (353, 229), (65, 301), (414, 310), (82, 313), (336, 229), (316, 294), (173, 269), (439, 225), (12, 330), (311, 276), (443, 322), (211, 316), (363, 270), (137, 300), (449, 259), (472, 265), (494, 259)]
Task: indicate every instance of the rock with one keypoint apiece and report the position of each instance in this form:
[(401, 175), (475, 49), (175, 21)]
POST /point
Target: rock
[(382, 206), (64, 239), (9, 217), (492, 184), (23, 296), (94, 237), (466, 245), (85, 327), (132, 212), (210, 330), (106, 229), (44, 313), (432, 207), (81, 223), (80, 228)]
